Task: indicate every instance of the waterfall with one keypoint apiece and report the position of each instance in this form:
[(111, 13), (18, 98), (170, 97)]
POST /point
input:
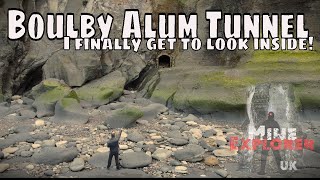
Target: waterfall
[(249, 110), (262, 99), (247, 155)]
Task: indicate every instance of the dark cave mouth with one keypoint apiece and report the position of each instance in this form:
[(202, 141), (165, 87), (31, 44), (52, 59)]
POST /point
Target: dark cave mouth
[(164, 61)]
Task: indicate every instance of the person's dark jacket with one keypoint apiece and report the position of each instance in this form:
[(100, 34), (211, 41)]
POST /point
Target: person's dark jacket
[(113, 143)]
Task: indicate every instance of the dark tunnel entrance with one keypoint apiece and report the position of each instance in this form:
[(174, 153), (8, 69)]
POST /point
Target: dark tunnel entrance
[(164, 61)]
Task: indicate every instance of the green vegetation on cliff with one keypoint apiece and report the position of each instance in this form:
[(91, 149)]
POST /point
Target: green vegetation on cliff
[(208, 89)]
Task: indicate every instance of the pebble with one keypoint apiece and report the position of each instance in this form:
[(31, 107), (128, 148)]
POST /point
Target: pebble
[(211, 161), (221, 172), (10, 150), (35, 146), (155, 137), (4, 167), (30, 167), (61, 143), (191, 123), (181, 169), (123, 147), (39, 122)]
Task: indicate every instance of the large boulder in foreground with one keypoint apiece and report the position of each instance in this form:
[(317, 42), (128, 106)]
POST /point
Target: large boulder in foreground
[(104, 90), (124, 117), (68, 110), (135, 160), (54, 155)]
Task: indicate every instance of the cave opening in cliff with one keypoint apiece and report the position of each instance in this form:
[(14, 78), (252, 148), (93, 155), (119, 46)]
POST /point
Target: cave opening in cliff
[(33, 78), (164, 61), (144, 77)]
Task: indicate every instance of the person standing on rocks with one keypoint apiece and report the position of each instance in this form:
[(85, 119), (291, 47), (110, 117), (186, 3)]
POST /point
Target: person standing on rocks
[(270, 123), (113, 144)]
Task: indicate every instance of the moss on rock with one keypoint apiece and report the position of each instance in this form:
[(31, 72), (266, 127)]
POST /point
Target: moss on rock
[(124, 117), (46, 86), (68, 102), (73, 95), (104, 90), (130, 112), (53, 95), (307, 95)]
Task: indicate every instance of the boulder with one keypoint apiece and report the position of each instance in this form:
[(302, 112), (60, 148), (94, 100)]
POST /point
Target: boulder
[(10, 150), (102, 127), (4, 167), (104, 90), (49, 143), (27, 101), (77, 165), (151, 111), (221, 172), (205, 145), (4, 110), (209, 133), (99, 160), (28, 113), (23, 129), (14, 138), (38, 137), (54, 155), (74, 67), (135, 160), (69, 111), (190, 118), (224, 152), (180, 124), (211, 161), (174, 127), (112, 106), (174, 162), (179, 142), (176, 134), (135, 136), (191, 153), (46, 94), (197, 133), (49, 172), (149, 147), (26, 153), (181, 169), (161, 154), (124, 117), (142, 122)]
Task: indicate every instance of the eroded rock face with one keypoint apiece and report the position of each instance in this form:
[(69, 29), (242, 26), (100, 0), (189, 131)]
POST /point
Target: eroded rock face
[(25, 63)]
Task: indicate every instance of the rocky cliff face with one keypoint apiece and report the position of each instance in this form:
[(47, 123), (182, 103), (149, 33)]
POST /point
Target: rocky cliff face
[(99, 77)]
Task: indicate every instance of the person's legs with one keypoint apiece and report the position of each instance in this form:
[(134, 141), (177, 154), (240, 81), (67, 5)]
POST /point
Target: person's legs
[(278, 159), (116, 156), (264, 155), (110, 159)]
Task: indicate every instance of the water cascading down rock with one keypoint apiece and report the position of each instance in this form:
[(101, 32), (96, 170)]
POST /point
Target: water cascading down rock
[(278, 98)]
